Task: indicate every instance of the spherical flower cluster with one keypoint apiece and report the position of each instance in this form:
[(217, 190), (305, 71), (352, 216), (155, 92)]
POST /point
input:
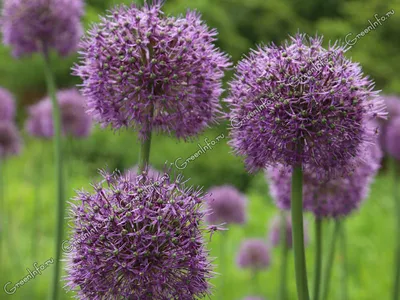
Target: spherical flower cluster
[(138, 239), (7, 105), (333, 197), (300, 104), (33, 26), (74, 121), (132, 173), (392, 138), (254, 254), (393, 108), (226, 205), (146, 70), (275, 231), (10, 141)]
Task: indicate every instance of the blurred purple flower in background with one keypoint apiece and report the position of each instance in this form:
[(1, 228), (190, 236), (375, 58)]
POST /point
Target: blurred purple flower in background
[(7, 105), (253, 254), (74, 120), (393, 108), (143, 244), (392, 138), (274, 235), (144, 70), (334, 197), (226, 205), (301, 93), (132, 173), (34, 26), (10, 141)]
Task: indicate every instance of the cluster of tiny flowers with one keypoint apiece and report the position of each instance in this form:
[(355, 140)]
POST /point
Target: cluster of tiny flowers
[(392, 138), (334, 197), (145, 70), (253, 254), (7, 105), (32, 26), (132, 173), (10, 141), (393, 108), (144, 243), (74, 120), (312, 102), (275, 231), (226, 205)]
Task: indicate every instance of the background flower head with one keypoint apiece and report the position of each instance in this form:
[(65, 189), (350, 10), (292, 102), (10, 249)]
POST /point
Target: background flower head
[(274, 234), (7, 105), (146, 70), (145, 240), (392, 138), (74, 120), (393, 108), (253, 254), (226, 205), (32, 26), (300, 103), (10, 141)]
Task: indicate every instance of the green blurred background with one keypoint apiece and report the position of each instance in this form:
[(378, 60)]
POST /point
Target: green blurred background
[(241, 25)]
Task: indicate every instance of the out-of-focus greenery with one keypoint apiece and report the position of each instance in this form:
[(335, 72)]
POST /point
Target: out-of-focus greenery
[(242, 24)]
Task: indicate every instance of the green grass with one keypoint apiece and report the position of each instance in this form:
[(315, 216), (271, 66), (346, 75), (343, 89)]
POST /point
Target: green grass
[(369, 231)]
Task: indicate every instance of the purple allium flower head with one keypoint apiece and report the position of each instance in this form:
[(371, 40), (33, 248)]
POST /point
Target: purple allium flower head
[(7, 105), (300, 104), (74, 120), (226, 205), (149, 71), (254, 254), (392, 138), (133, 172), (138, 239), (32, 26), (274, 235), (393, 108), (333, 197), (10, 141)]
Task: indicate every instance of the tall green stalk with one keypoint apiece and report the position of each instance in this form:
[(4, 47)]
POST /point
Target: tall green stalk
[(396, 198), (318, 258), (222, 263), (51, 88), (329, 261), (343, 247), (144, 153), (298, 234), (37, 166), (284, 257)]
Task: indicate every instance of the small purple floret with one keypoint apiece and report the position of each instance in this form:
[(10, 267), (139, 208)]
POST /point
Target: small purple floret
[(10, 141), (7, 105), (253, 254)]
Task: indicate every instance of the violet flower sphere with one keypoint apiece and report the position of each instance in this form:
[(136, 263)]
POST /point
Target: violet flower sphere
[(30, 26), (392, 138), (332, 198), (10, 141), (138, 239), (274, 235), (7, 105), (253, 254), (393, 108), (74, 120), (226, 205), (149, 71), (300, 104)]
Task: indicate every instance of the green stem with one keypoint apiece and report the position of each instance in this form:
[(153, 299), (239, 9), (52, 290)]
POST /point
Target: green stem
[(298, 234), (256, 282), (329, 261), (343, 247), (144, 154), (37, 177), (396, 198), (318, 257), (51, 87), (284, 257), (222, 251)]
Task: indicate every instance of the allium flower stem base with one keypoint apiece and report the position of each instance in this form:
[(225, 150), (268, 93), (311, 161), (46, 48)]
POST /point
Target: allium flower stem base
[(37, 177), (396, 197), (284, 257), (343, 250), (51, 87), (298, 233), (318, 257), (222, 262), (144, 154), (329, 260)]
